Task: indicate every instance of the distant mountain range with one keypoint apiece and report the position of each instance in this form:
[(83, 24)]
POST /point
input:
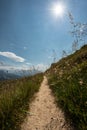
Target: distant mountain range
[(5, 74)]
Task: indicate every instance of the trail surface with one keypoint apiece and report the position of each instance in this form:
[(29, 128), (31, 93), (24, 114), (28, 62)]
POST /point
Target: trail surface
[(43, 113)]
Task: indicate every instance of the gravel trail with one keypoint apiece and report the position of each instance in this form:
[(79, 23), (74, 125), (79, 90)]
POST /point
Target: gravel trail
[(43, 113)]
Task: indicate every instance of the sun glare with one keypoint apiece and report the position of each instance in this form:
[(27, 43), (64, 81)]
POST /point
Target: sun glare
[(58, 10)]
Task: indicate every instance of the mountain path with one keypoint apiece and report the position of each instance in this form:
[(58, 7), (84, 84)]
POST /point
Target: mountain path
[(43, 113)]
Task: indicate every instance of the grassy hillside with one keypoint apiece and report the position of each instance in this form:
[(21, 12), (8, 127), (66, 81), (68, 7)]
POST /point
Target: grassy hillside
[(68, 80), (14, 100)]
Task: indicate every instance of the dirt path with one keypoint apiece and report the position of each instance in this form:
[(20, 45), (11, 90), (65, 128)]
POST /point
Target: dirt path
[(43, 113)]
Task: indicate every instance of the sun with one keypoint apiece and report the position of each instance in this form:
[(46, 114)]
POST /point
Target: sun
[(58, 9)]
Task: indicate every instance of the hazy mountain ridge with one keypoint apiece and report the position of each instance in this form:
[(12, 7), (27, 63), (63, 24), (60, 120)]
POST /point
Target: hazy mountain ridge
[(5, 74)]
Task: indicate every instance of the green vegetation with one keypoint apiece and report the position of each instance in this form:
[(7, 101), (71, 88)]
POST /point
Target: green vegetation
[(14, 100), (68, 80)]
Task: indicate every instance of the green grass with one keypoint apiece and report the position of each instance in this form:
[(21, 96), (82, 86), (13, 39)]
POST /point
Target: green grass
[(68, 80), (14, 100)]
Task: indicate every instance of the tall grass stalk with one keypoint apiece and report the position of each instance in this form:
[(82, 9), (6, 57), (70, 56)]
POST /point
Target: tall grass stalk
[(14, 95)]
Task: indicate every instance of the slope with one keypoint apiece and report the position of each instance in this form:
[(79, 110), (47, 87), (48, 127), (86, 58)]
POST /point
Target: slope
[(68, 80)]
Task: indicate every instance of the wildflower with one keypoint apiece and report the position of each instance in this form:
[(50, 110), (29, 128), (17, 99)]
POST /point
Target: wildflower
[(69, 77), (81, 82), (86, 102), (55, 70), (61, 73)]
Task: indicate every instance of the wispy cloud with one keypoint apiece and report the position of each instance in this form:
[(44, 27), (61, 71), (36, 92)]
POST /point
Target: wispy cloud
[(25, 48), (12, 56), (14, 67), (41, 67), (25, 66), (28, 63)]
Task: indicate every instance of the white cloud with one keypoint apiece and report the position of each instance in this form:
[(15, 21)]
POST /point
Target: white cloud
[(28, 63), (25, 48), (25, 66), (12, 56), (41, 67), (13, 67)]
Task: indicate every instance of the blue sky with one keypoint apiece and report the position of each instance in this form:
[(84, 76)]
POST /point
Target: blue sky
[(29, 32)]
